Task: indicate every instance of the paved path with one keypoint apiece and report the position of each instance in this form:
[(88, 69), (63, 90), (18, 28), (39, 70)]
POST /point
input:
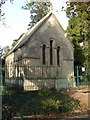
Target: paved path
[(83, 117)]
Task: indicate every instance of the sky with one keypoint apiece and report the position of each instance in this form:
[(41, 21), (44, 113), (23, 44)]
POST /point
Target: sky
[(17, 19)]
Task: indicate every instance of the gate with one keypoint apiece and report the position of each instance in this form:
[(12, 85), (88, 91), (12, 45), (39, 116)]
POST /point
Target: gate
[(82, 78)]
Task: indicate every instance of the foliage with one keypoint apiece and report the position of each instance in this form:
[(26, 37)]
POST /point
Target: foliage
[(37, 11), (2, 2), (51, 105), (33, 103), (1, 51), (69, 106), (16, 40), (44, 92), (78, 31), (1, 12)]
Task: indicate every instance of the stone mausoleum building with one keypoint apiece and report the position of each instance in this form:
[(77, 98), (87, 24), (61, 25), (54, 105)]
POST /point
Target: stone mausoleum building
[(43, 57)]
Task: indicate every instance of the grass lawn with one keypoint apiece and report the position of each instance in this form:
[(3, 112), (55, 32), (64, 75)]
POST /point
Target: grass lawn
[(42, 102)]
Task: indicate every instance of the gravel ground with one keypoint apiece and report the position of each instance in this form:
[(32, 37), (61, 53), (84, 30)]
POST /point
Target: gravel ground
[(83, 95)]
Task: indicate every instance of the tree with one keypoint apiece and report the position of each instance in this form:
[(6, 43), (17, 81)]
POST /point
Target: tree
[(78, 31), (37, 11), (16, 40), (2, 2), (1, 12), (1, 51)]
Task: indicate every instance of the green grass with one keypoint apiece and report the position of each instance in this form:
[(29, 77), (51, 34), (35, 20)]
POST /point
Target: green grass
[(46, 101)]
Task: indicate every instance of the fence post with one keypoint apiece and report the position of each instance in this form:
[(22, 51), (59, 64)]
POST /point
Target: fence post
[(1, 50), (77, 75)]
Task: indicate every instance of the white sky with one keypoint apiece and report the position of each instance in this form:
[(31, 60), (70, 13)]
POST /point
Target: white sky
[(17, 20)]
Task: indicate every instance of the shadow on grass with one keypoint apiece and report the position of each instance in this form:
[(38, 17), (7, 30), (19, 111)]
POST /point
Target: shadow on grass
[(42, 102)]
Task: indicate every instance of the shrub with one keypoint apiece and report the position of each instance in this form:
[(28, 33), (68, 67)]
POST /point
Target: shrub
[(46, 101), (44, 92), (51, 105), (69, 106)]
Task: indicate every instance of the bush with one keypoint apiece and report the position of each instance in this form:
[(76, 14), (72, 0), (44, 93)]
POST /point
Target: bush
[(51, 105), (69, 106), (44, 92), (46, 101)]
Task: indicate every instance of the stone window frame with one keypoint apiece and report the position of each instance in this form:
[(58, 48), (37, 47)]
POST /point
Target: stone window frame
[(51, 51), (58, 50), (44, 54)]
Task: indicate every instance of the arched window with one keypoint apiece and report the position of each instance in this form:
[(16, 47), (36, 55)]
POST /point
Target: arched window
[(51, 52), (58, 55), (43, 54)]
